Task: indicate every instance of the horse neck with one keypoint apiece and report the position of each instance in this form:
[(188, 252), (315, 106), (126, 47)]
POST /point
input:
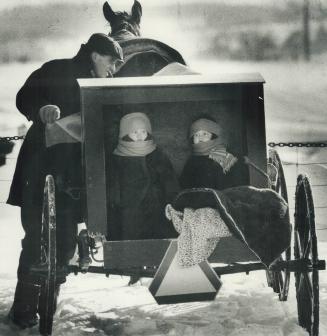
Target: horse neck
[(122, 35), (124, 32)]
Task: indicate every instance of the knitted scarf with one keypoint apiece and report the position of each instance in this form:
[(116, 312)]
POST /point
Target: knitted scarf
[(217, 152), (134, 148)]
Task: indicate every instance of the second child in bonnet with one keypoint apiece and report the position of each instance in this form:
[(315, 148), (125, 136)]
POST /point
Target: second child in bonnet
[(142, 181), (211, 165)]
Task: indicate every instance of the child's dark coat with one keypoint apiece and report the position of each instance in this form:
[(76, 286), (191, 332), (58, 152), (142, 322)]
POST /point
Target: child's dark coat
[(139, 188), (203, 172)]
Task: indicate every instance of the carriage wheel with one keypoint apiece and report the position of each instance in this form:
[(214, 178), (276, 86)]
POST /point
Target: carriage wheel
[(48, 258), (305, 248), (280, 280)]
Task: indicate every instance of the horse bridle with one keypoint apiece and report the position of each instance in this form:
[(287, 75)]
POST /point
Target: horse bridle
[(126, 26)]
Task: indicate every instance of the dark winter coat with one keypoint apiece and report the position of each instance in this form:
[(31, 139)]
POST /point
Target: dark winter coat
[(139, 188), (203, 172), (54, 83)]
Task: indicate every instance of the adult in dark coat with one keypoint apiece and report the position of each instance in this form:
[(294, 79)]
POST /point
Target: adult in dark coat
[(51, 92), (142, 181), (211, 165)]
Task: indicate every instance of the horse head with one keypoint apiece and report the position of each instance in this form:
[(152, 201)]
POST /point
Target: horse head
[(142, 56), (122, 23)]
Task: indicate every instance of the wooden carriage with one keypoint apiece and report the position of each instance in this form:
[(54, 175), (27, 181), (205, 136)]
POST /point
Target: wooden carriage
[(171, 102)]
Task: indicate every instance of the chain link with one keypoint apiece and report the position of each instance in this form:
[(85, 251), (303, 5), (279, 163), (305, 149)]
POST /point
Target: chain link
[(298, 144), (270, 144), (12, 138)]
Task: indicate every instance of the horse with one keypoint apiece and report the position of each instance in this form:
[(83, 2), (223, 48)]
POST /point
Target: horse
[(123, 25), (142, 56)]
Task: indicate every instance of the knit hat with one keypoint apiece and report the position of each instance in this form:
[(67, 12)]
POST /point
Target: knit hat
[(206, 125), (104, 45), (133, 121)]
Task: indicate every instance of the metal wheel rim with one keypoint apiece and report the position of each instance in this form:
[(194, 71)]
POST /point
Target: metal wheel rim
[(48, 251), (281, 280), (305, 247)]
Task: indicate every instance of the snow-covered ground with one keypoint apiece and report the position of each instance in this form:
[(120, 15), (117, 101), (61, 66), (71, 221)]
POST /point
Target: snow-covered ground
[(93, 304), (295, 103)]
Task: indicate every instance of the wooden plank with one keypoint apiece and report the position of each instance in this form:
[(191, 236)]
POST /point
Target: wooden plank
[(228, 78), (94, 163), (154, 94), (138, 253), (134, 253), (254, 120)]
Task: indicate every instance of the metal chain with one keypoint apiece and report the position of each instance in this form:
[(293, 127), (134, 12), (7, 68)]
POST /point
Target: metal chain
[(12, 138), (298, 144), (270, 144)]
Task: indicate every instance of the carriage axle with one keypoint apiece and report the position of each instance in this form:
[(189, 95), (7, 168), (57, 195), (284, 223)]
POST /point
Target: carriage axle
[(299, 265)]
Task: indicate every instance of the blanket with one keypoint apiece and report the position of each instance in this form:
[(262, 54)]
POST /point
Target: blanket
[(199, 232), (257, 217)]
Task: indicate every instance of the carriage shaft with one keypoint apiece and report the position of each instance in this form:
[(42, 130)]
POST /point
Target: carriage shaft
[(300, 265)]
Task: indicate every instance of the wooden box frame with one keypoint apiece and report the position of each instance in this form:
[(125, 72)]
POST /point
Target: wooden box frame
[(96, 94)]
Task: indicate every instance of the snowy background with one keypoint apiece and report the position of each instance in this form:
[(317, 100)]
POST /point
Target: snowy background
[(295, 105)]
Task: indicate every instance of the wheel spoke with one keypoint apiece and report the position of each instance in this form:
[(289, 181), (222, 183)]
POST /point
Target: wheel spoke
[(300, 283), (307, 250), (299, 244), (308, 283)]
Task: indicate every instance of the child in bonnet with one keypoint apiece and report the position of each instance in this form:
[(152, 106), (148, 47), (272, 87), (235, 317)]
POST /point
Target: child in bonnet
[(141, 182), (211, 165)]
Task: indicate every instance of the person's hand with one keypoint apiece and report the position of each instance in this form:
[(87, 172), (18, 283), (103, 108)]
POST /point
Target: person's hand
[(49, 113), (246, 160)]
